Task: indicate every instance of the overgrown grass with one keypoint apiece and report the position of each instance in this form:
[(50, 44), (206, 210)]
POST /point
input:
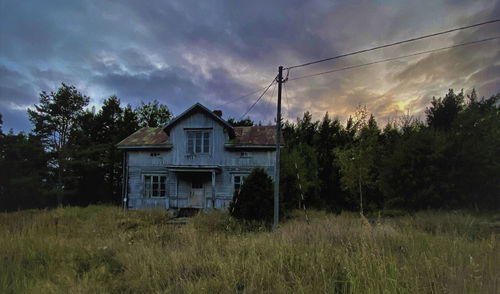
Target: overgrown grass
[(101, 249)]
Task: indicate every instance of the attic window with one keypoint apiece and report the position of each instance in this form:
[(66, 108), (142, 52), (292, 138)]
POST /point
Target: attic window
[(198, 142)]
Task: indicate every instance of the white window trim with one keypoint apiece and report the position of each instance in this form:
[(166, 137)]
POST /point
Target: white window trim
[(242, 180), (202, 131), (151, 175)]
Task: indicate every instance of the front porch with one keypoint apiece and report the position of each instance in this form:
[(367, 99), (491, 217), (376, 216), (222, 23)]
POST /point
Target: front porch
[(195, 187), (181, 187)]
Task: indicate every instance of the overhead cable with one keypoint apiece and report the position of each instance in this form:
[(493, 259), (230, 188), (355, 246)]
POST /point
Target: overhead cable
[(260, 97), (239, 98), (395, 58), (395, 43)]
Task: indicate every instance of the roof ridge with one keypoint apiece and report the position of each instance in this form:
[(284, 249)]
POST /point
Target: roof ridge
[(168, 125)]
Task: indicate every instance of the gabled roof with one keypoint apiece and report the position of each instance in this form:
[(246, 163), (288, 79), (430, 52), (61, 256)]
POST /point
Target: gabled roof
[(146, 138), (198, 108), (245, 137)]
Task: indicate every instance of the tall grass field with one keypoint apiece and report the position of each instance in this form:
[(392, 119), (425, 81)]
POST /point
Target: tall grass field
[(103, 249)]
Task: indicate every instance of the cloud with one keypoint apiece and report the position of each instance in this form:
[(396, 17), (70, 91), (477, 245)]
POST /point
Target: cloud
[(182, 52)]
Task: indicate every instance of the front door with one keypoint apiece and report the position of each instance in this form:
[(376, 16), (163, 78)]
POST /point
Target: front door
[(197, 194)]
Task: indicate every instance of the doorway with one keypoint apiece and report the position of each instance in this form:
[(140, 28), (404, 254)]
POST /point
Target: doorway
[(197, 194)]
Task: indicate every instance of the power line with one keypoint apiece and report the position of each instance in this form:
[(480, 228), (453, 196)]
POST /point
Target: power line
[(396, 43), (395, 58), (239, 98), (260, 97), (271, 99)]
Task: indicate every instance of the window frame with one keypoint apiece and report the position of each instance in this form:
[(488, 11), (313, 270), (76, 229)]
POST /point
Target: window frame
[(149, 185), (241, 180), (198, 139)]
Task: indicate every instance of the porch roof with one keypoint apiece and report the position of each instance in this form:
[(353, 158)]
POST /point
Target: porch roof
[(194, 168)]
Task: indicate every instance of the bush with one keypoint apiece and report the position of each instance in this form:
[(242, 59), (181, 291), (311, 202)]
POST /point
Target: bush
[(254, 201)]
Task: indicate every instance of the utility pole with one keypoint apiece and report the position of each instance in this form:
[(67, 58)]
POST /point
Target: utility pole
[(277, 165)]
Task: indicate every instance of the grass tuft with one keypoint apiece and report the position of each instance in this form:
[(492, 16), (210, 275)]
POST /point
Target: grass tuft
[(102, 249)]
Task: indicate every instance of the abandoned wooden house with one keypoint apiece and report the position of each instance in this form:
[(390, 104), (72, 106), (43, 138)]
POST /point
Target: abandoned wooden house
[(196, 160)]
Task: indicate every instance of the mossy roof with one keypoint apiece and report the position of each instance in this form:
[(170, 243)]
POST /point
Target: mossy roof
[(244, 136), (255, 135), (146, 137)]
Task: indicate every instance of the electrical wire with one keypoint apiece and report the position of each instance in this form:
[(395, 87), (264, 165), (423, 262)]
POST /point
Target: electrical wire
[(260, 97), (239, 98), (271, 98), (395, 58), (395, 43)]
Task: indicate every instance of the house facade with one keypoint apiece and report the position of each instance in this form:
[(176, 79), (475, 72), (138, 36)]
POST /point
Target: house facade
[(197, 160)]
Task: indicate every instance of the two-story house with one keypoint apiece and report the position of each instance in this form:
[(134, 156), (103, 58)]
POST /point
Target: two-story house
[(196, 160)]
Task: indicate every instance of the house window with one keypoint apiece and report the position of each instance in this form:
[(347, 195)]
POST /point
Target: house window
[(245, 154), (238, 181), (154, 186), (198, 142)]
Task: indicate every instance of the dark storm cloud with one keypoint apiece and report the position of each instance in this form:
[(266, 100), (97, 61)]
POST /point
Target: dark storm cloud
[(155, 85), (15, 94), (15, 90), (182, 52), (250, 30)]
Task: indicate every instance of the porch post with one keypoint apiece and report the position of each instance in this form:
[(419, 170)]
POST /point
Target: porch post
[(213, 189)]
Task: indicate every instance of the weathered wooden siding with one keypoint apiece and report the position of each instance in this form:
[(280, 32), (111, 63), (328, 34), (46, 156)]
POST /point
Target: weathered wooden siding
[(178, 188), (218, 155), (178, 137)]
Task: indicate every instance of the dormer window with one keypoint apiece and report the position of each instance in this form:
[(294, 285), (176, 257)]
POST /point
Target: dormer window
[(198, 142)]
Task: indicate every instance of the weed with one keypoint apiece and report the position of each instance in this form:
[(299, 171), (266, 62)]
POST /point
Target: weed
[(102, 249)]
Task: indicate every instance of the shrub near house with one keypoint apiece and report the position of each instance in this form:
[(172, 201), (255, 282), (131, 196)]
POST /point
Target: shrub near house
[(254, 200)]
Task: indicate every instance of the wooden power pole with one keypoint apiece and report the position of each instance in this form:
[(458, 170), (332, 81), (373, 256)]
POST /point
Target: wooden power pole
[(277, 165)]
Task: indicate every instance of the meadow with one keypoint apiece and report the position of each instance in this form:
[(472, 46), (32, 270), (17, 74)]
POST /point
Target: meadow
[(103, 249)]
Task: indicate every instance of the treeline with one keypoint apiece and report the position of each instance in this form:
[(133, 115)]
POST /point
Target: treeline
[(450, 161), (69, 157)]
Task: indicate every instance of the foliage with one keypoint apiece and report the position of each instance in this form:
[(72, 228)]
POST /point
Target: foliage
[(359, 166), (101, 249), (291, 184), (54, 119), (71, 152), (254, 201), (152, 114), (95, 158), (451, 161), (247, 122), (444, 111), (23, 173)]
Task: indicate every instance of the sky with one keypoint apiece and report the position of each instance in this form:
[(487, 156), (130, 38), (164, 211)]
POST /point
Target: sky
[(180, 52)]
